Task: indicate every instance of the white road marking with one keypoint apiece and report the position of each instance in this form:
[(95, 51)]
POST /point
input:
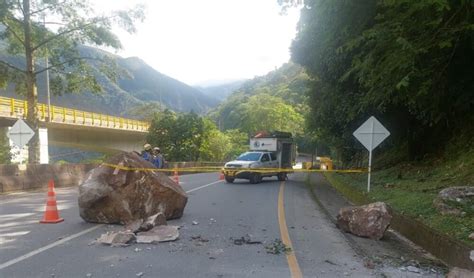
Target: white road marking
[(200, 187), (66, 239), (44, 248)]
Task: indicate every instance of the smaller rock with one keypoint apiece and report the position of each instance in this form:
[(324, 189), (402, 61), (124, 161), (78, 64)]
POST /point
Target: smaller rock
[(457, 272), (158, 234), (413, 269), (139, 274), (116, 238), (195, 223), (137, 250), (89, 275)]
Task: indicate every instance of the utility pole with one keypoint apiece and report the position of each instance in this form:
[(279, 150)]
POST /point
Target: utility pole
[(48, 119)]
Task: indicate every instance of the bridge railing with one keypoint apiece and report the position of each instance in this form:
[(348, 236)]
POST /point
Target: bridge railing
[(14, 108)]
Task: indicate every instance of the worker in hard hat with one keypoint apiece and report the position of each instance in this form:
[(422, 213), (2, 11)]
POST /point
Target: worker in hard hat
[(158, 159), (147, 153)]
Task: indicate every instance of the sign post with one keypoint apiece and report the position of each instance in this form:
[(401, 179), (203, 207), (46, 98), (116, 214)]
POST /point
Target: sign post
[(371, 134), (20, 134)]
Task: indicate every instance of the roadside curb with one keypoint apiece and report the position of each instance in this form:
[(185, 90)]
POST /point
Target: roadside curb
[(450, 251)]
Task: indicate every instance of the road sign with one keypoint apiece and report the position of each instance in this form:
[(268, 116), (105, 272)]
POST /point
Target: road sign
[(20, 133), (371, 134)]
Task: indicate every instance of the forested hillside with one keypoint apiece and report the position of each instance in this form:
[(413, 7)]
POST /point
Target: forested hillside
[(221, 92), (275, 101), (409, 63), (138, 85)]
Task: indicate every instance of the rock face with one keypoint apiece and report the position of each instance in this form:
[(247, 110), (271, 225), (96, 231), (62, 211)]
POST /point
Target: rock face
[(122, 196), (450, 200), (366, 221)]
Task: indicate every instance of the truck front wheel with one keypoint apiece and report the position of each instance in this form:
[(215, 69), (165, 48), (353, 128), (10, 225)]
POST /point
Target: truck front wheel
[(255, 178), (229, 179), (281, 176)]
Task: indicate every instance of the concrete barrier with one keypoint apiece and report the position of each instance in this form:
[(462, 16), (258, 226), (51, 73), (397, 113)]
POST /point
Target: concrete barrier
[(36, 176)]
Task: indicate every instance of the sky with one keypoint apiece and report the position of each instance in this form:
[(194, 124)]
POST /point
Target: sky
[(206, 42)]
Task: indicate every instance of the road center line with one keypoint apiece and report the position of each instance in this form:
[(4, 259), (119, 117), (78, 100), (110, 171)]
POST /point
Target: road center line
[(285, 236), (61, 241)]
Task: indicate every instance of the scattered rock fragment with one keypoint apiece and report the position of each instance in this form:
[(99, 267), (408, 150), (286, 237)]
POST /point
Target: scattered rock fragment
[(247, 239), (195, 223), (117, 238), (133, 226), (277, 247), (139, 274), (413, 269), (158, 234), (370, 221)]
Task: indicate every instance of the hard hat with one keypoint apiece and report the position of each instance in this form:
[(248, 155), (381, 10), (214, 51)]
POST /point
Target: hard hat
[(147, 147), (156, 149)]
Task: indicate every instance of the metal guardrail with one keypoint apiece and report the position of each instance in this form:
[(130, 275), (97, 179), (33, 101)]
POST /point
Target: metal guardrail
[(14, 108)]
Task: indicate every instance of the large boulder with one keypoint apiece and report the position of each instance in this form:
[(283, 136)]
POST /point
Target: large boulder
[(126, 193), (366, 221), (452, 200)]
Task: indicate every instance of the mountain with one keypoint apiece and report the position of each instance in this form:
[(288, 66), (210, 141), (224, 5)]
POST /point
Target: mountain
[(221, 92), (143, 85)]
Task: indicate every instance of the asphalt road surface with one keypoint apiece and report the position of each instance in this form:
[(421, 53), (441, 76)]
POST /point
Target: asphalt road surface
[(224, 212)]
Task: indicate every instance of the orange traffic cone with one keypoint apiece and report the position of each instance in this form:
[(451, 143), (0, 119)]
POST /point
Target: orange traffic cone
[(51, 215), (176, 177), (221, 176)]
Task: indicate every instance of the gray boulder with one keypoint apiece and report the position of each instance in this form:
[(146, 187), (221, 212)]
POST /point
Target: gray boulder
[(122, 194), (370, 221), (450, 200)]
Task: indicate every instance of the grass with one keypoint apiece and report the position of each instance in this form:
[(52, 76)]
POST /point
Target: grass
[(410, 188)]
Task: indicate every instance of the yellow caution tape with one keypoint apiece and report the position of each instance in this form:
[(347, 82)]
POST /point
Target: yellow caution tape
[(234, 170)]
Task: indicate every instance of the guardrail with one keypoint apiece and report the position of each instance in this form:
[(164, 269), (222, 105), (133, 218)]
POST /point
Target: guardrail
[(15, 108)]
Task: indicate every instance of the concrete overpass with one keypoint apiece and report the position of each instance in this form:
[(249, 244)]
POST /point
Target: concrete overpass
[(78, 129)]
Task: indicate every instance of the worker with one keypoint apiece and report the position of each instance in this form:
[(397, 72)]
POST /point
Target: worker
[(158, 159), (147, 153)]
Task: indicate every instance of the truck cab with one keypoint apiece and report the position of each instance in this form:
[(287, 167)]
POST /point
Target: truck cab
[(268, 156)]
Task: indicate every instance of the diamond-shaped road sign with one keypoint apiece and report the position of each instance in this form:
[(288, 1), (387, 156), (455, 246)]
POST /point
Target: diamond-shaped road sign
[(20, 133), (371, 133)]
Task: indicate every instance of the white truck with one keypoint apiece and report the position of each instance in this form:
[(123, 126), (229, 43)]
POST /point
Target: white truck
[(271, 154)]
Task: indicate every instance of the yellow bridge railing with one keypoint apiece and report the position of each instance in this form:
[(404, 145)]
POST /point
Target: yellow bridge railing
[(14, 108)]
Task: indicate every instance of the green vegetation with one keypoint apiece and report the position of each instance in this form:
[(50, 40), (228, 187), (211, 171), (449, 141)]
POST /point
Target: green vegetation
[(275, 101), (5, 156), (405, 62), (189, 137)]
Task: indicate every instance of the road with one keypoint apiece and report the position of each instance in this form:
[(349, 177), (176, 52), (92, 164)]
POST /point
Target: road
[(268, 211)]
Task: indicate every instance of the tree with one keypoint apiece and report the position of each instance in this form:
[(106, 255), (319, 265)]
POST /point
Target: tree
[(266, 112), (5, 155), (33, 29), (216, 145), (406, 62), (180, 136)]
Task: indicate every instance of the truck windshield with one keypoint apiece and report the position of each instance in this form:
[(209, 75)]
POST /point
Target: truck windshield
[(249, 157)]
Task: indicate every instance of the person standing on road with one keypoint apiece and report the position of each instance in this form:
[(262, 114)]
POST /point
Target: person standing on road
[(147, 153), (158, 159)]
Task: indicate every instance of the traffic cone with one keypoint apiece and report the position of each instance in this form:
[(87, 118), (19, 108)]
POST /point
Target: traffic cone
[(176, 177), (221, 176), (51, 215)]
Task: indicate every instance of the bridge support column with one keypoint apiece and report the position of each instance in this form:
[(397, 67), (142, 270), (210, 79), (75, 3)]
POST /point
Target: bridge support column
[(44, 149)]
